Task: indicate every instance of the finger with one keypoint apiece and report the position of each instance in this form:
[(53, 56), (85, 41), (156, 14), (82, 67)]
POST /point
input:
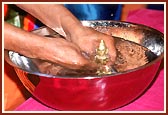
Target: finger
[(109, 41)]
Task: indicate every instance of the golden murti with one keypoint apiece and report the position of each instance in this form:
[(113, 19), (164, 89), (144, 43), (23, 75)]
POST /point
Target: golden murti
[(101, 58)]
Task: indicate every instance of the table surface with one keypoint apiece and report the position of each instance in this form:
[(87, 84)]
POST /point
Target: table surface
[(153, 98)]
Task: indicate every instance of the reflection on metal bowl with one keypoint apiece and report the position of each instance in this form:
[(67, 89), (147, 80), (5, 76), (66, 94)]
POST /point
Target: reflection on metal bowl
[(96, 93)]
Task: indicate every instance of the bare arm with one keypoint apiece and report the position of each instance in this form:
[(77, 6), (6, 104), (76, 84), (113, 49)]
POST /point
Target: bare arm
[(21, 41), (58, 50), (54, 16), (64, 22)]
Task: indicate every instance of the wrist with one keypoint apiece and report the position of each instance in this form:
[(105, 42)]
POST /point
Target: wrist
[(75, 32), (71, 26)]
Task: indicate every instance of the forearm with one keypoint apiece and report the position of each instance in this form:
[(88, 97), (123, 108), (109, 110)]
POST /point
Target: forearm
[(21, 41), (54, 16)]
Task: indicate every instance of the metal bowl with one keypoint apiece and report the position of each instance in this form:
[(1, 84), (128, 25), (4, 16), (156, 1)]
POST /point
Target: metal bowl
[(107, 92)]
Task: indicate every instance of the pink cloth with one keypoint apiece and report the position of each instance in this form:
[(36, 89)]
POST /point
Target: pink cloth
[(153, 99)]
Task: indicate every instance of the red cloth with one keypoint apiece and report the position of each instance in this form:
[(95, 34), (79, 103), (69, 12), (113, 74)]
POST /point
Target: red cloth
[(153, 99)]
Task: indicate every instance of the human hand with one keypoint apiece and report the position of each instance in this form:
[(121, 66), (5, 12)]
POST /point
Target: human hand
[(54, 50), (66, 24), (89, 39), (65, 53)]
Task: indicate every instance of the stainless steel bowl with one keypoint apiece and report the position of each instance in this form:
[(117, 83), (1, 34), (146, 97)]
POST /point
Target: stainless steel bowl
[(93, 92)]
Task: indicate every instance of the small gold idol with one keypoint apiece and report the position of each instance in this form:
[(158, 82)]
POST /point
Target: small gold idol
[(101, 58)]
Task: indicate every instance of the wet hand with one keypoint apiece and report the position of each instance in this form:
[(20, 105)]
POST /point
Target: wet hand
[(89, 39), (65, 54)]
